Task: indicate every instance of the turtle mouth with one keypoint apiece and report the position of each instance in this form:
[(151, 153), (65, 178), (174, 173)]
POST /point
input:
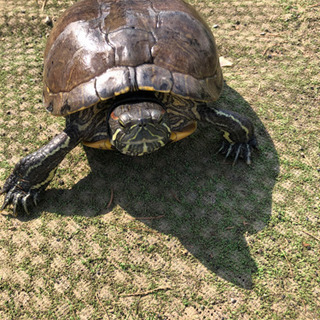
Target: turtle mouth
[(140, 149)]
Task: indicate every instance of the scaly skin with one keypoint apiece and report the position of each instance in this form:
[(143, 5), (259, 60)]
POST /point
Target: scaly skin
[(33, 173), (238, 132)]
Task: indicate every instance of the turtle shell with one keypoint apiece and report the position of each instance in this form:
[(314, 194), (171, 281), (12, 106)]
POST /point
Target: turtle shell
[(100, 49)]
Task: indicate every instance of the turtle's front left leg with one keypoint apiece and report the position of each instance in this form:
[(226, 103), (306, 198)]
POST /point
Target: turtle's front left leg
[(33, 173), (238, 132)]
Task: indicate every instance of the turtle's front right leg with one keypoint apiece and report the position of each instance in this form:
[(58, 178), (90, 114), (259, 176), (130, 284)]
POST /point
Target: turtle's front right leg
[(33, 173)]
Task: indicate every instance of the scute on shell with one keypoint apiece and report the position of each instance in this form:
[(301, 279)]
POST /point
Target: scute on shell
[(101, 49)]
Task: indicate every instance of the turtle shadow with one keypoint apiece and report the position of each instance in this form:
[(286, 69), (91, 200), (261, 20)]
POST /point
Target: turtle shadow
[(189, 192)]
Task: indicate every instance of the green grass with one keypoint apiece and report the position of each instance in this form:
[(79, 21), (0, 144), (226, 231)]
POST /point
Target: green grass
[(187, 235)]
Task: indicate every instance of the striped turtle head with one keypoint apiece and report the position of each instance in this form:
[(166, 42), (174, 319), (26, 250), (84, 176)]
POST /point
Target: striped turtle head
[(139, 128)]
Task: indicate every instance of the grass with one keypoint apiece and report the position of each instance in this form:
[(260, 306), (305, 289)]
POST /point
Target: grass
[(187, 236)]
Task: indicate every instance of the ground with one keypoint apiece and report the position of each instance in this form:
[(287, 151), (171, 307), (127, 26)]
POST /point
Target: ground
[(179, 234)]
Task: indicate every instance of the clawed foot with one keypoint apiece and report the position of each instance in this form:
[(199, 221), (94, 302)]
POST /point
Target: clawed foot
[(16, 194), (239, 150), (33, 173)]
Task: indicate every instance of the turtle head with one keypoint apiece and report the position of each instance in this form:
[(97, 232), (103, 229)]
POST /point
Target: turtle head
[(139, 128)]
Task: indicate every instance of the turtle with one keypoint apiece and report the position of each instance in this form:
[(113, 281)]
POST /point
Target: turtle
[(131, 76)]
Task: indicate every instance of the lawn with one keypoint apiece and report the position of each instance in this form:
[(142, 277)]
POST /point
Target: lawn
[(181, 233)]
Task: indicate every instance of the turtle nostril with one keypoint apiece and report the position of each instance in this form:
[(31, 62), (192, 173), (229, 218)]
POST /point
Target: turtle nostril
[(142, 123)]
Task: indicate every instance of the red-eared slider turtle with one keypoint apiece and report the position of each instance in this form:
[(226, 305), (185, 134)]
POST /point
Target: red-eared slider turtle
[(129, 75)]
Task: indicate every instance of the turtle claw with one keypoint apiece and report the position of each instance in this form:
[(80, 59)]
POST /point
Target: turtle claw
[(20, 199), (4, 205), (248, 154), (221, 148), (238, 150), (24, 203), (237, 155), (6, 199), (35, 199), (230, 149), (15, 202)]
